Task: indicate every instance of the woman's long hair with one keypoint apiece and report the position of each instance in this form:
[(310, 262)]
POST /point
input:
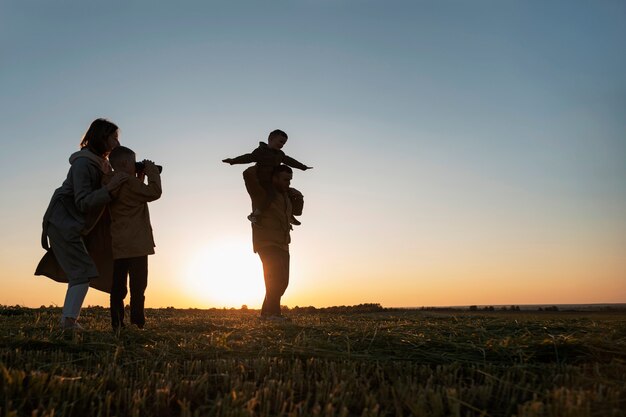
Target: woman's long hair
[(96, 137)]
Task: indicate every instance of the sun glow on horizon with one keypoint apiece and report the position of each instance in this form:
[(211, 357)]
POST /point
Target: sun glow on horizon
[(225, 274)]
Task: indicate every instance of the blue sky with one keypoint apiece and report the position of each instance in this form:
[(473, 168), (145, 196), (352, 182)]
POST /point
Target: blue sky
[(487, 135)]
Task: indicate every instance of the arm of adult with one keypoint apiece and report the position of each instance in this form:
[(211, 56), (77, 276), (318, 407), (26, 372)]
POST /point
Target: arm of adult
[(287, 160), (253, 186), (116, 181), (86, 196)]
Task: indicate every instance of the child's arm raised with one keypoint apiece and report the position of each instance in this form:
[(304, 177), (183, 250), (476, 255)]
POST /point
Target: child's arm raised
[(287, 160), (151, 191), (241, 159)]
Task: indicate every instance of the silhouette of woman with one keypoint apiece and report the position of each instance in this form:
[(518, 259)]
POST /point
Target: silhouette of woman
[(75, 208)]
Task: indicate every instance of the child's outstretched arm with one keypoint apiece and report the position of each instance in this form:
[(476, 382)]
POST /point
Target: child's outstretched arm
[(287, 160), (241, 159)]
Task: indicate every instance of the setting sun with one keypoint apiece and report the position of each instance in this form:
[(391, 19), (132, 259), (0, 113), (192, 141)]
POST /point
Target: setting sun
[(225, 274)]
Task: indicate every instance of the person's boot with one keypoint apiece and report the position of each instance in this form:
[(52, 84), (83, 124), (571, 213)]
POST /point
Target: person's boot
[(254, 216), (71, 307), (295, 221), (70, 323)]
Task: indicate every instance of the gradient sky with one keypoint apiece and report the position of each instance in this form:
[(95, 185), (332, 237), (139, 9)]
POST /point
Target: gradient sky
[(469, 152)]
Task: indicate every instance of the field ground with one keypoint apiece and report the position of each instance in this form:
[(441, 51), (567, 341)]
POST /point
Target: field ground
[(395, 363)]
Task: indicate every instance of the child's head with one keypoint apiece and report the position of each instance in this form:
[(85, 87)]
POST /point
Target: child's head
[(276, 139), (123, 159)]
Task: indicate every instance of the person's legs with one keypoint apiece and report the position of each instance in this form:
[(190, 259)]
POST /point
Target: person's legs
[(74, 298), (276, 274), (265, 180), (270, 194), (264, 174), (69, 250), (118, 292), (138, 270)]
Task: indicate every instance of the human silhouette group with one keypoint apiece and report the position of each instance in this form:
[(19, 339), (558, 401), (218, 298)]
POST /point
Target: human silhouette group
[(97, 230)]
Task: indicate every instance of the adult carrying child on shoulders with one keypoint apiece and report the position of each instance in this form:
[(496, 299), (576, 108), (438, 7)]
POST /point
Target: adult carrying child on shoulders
[(267, 157)]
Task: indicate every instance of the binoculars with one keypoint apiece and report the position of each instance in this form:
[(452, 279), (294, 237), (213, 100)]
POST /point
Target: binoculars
[(140, 166)]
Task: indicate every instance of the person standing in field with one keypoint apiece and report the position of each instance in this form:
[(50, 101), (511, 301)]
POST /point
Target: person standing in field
[(131, 233), (271, 234), (74, 210)]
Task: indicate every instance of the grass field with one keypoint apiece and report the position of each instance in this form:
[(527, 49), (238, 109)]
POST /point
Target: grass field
[(393, 363)]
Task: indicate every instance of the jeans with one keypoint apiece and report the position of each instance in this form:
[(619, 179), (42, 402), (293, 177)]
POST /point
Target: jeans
[(137, 271), (276, 273)]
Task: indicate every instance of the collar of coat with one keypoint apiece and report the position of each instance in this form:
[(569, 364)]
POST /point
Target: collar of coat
[(265, 146), (100, 162)]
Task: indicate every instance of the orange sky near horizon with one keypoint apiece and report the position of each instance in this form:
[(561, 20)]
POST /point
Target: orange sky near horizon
[(195, 271)]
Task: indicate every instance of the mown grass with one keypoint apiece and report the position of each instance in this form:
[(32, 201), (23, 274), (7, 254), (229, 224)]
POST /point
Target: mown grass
[(227, 363)]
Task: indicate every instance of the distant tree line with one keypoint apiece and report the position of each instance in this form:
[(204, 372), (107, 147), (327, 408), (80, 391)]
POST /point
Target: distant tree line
[(552, 308), (511, 308), (492, 308), (361, 308), (15, 310)]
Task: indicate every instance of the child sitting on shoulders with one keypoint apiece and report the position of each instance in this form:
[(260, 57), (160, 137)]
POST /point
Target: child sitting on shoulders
[(267, 157)]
